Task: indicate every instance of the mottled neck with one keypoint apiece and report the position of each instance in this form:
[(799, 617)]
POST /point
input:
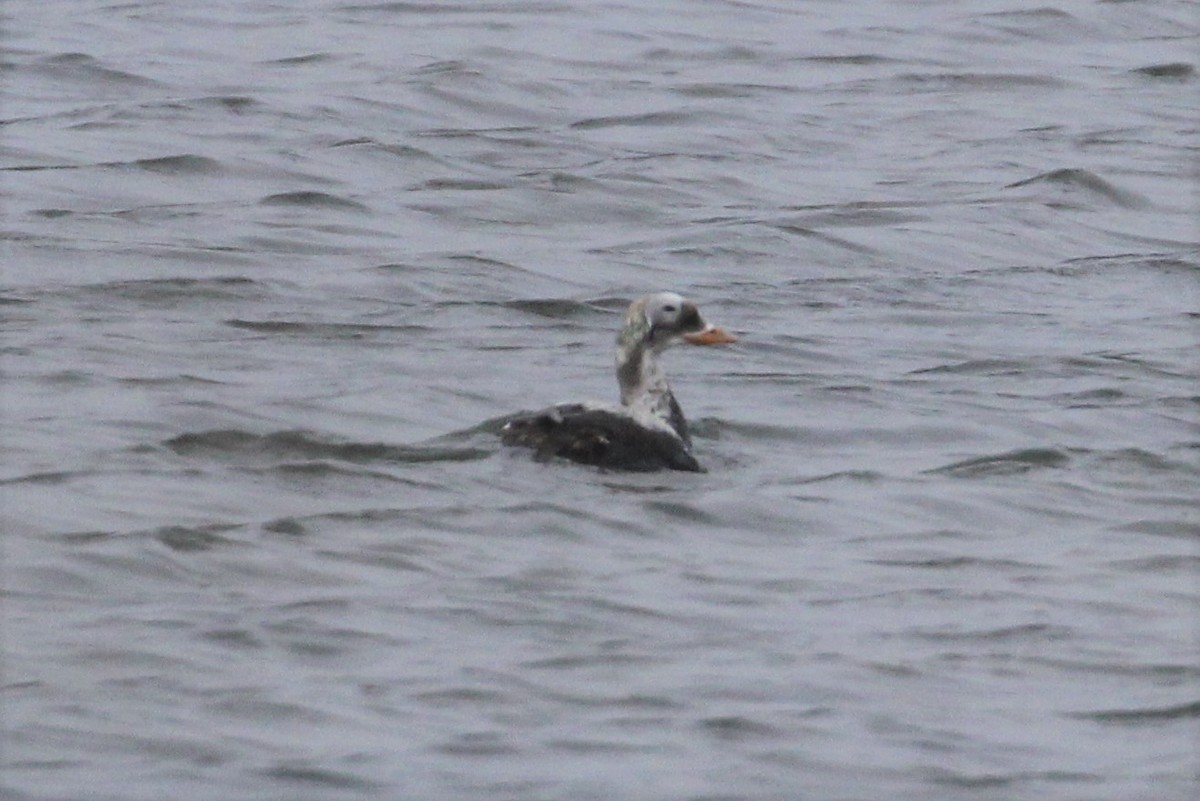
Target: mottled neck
[(644, 388), (641, 378)]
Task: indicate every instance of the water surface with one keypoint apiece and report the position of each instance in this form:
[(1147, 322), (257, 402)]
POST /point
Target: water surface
[(271, 271)]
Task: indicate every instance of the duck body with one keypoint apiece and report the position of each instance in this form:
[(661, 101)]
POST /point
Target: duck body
[(647, 431), (610, 438)]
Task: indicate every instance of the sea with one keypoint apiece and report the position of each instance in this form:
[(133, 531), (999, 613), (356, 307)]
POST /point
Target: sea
[(272, 273)]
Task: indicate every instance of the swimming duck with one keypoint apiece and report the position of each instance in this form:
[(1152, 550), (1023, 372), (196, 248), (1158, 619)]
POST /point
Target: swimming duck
[(647, 431)]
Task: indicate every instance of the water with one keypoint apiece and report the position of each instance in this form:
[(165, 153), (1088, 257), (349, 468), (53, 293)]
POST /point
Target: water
[(270, 270)]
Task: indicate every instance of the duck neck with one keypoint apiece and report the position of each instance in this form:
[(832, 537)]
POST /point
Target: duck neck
[(644, 386)]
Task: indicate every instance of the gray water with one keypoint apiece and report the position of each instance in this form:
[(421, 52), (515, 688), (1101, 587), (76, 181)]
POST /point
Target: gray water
[(272, 270)]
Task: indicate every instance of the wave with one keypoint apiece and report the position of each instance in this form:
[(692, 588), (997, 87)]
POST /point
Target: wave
[(299, 444)]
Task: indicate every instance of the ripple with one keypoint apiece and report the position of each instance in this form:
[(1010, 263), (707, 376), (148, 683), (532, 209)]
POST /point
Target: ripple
[(1144, 715), (185, 164), (655, 118), (190, 539), (319, 778), (1028, 631), (857, 59), (177, 290), (866, 476), (552, 308), (437, 9), (288, 526), (737, 727), (978, 81), (461, 184), (1163, 528), (482, 744), (1161, 565), (464, 696), (83, 67), (226, 443), (323, 331), (1176, 70), (956, 563), (592, 746), (1068, 179), (1005, 464), (307, 58), (720, 90), (312, 199), (47, 477), (326, 474), (982, 367)]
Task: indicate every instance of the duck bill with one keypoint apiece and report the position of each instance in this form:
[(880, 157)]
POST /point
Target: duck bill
[(710, 335)]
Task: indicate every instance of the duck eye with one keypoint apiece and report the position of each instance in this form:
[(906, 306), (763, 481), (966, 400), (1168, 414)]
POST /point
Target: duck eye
[(669, 309)]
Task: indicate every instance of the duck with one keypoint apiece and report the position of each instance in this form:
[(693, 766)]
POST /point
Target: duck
[(647, 431)]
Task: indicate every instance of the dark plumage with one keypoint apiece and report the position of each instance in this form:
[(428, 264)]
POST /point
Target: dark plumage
[(599, 437)]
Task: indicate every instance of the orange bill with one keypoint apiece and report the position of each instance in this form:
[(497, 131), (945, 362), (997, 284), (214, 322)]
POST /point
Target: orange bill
[(711, 335)]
